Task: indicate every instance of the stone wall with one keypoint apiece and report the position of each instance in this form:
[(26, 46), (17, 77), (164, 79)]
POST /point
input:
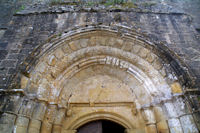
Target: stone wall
[(33, 26)]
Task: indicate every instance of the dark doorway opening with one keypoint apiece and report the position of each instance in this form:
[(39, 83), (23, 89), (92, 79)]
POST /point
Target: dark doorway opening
[(101, 126)]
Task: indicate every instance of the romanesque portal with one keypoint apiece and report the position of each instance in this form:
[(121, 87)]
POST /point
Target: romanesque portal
[(99, 74)]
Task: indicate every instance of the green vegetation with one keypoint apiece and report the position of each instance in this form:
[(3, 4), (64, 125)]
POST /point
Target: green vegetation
[(91, 3), (123, 3), (61, 2), (129, 5), (148, 3), (22, 7), (113, 3)]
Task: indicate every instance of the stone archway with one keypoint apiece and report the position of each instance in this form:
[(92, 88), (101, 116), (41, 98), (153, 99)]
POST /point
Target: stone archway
[(99, 74), (101, 126)]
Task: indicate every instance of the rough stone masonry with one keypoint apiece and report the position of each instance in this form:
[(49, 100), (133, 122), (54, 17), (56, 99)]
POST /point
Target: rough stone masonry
[(64, 63)]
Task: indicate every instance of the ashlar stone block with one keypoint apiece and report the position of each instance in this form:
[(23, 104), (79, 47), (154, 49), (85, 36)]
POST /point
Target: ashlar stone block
[(176, 88), (150, 57), (162, 127), (21, 124), (59, 53), (143, 52), (151, 128), (170, 110), (26, 108), (39, 111), (136, 49), (66, 49), (149, 116), (56, 129), (7, 123), (175, 126), (46, 127), (34, 126), (128, 46), (24, 82), (188, 124), (60, 116), (159, 114), (74, 45), (83, 43)]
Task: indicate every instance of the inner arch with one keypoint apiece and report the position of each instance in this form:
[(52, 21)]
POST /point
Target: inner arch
[(101, 126)]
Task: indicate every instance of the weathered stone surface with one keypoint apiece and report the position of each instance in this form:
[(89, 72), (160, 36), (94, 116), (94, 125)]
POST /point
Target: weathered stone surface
[(59, 53), (43, 89), (188, 124), (13, 104), (157, 64), (52, 60), (59, 116), (26, 108), (56, 129), (34, 126), (24, 82), (21, 125), (41, 67), (7, 123), (25, 33), (68, 131), (181, 106), (150, 57), (176, 88), (144, 52), (39, 111), (46, 127), (159, 114), (196, 117), (170, 110), (151, 129), (136, 49), (175, 126), (149, 116), (74, 45), (162, 127)]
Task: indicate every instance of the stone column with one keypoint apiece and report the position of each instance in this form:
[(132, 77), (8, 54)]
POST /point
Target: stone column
[(21, 124), (7, 123), (49, 119), (161, 123), (34, 126), (37, 118), (56, 129), (150, 121), (58, 121)]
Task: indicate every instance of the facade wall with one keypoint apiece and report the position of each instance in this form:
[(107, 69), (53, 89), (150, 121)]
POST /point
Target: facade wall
[(24, 34)]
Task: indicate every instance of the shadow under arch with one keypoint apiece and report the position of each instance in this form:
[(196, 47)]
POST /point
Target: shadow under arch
[(103, 126)]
